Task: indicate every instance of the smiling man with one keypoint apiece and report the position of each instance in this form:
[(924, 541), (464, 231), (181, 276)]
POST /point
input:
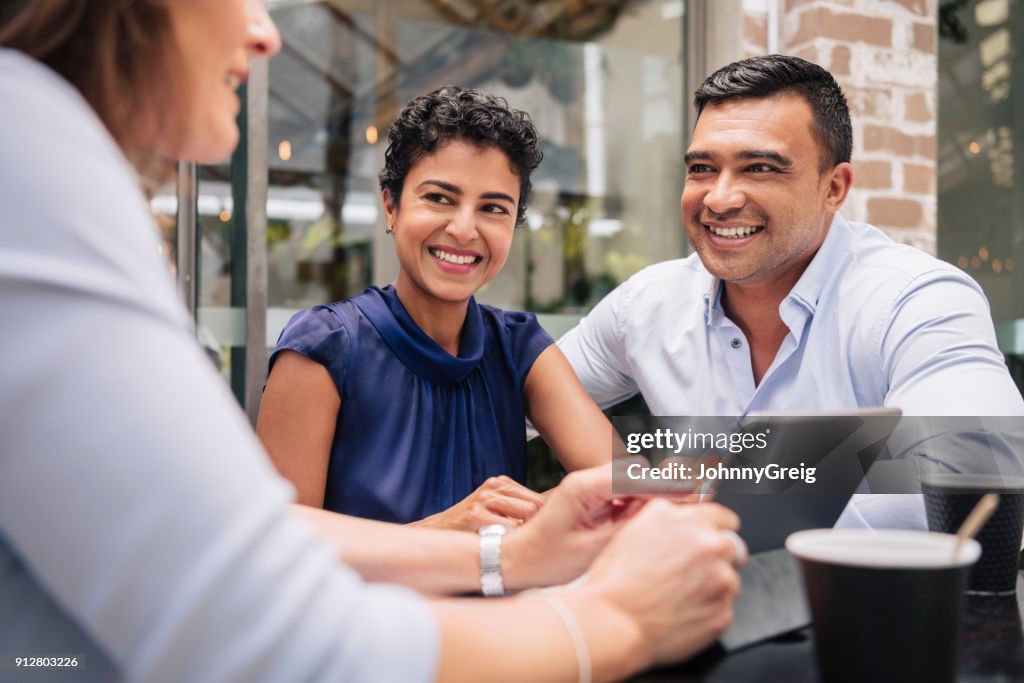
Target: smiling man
[(786, 306)]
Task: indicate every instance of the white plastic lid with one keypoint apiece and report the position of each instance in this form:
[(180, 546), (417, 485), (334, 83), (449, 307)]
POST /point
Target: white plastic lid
[(882, 549), (980, 483)]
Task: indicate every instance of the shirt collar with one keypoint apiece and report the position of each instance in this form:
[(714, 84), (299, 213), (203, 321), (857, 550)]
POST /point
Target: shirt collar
[(713, 312), (808, 288)]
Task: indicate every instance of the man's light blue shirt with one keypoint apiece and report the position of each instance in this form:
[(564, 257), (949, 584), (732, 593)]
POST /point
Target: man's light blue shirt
[(871, 323)]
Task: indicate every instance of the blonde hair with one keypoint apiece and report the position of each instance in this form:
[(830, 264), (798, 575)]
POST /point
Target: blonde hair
[(122, 57)]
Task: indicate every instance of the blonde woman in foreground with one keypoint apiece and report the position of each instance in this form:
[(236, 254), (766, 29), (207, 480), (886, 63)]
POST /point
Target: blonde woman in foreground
[(142, 526)]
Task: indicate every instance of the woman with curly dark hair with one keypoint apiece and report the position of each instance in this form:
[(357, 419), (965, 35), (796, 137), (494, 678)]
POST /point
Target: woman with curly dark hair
[(407, 402)]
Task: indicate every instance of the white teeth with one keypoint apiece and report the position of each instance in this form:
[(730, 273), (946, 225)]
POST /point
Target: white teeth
[(734, 232), (233, 81), (453, 258)]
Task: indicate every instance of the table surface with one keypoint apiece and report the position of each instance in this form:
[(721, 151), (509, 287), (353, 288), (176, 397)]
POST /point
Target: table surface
[(993, 651)]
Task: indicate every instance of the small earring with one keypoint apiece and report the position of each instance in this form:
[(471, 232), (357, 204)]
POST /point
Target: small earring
[(390, 229)]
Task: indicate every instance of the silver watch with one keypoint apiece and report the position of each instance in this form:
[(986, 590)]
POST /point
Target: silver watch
[(491, 583)]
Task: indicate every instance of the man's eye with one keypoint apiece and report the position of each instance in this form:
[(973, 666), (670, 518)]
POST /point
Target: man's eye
[(761, 168), (698, 168)]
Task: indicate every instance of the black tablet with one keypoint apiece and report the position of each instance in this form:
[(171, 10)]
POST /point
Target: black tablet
[(840, 447)]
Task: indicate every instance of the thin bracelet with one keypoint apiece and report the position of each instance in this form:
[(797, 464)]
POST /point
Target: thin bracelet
[(579, 644)]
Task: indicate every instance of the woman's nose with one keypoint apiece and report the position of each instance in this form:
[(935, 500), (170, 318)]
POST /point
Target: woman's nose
[(462, 226), (263, 39)]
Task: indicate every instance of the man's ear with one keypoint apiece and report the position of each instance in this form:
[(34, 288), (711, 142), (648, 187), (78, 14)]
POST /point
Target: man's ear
[(839, 183)]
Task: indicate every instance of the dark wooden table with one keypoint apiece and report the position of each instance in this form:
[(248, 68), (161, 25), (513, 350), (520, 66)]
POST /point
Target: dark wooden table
[(993, 650)]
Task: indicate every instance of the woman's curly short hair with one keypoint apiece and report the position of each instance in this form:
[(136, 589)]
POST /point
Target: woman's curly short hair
[(452, 113)]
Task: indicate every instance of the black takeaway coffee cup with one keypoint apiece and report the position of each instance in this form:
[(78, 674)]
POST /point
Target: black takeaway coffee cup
[(887, 605)]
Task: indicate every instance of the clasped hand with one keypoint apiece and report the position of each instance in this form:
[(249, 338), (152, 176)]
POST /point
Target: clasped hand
[(499, 500)]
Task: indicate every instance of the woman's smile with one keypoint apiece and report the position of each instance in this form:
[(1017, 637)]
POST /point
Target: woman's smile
[(455, 261), (453, 225)]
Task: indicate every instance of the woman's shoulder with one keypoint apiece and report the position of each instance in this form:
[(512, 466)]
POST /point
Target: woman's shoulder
[(518, 332), (43, 110), (510, 320), (344, 311), (93, 189), (88, 225), (325, 333)]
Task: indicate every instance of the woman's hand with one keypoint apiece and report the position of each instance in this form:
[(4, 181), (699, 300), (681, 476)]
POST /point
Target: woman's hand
[(579, 516), (499, 500)]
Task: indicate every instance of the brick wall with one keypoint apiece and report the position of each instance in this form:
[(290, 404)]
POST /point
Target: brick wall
[(882, 52), (755, 27)]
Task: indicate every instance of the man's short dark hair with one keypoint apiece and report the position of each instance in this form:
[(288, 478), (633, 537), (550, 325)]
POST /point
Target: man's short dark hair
[(760, 77), (452, 113)]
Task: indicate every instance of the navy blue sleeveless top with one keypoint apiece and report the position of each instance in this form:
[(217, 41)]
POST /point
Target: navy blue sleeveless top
[(419, 429)]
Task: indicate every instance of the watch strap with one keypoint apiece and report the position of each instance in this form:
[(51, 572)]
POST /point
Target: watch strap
[(491, 582)]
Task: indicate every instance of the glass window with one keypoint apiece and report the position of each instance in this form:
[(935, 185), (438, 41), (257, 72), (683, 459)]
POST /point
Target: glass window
[(603, 82), (981, 133), (211, 265)]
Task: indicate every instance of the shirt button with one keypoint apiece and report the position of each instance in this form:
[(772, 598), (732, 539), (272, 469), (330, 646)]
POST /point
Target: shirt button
[(736, 343)]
